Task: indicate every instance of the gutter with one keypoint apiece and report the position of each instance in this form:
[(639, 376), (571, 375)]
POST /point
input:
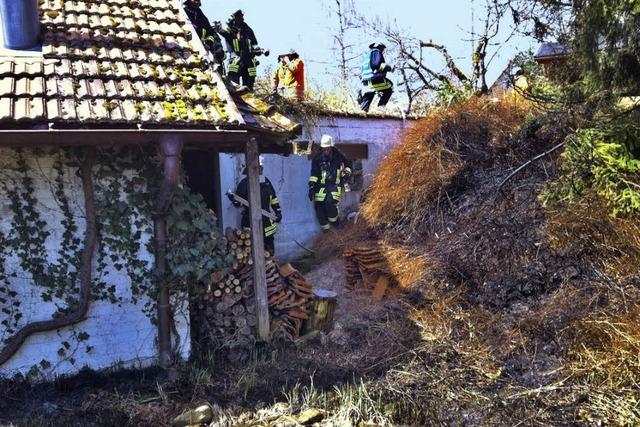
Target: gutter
[(170, 150), (74, 137), (222, 140)]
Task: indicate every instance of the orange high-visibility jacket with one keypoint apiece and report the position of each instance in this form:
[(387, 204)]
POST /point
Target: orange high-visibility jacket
[(290, 77)]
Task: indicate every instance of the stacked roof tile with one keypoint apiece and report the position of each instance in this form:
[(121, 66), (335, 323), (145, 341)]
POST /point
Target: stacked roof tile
[(119, 62)]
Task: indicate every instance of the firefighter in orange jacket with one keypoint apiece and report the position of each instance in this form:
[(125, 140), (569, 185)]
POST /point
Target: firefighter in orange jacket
[(289, 77)]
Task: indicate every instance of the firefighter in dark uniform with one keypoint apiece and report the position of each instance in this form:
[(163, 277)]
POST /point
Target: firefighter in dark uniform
[(242, 42), (269, 202), (205, 31), (330, 170)]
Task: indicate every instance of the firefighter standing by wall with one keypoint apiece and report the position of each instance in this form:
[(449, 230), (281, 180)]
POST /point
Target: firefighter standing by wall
[(374, 77), (268, 201), (288, 79), (205, 31), (329, 171), (242, 42)]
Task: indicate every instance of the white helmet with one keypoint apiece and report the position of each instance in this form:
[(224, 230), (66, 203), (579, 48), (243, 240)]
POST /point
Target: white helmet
[(326, 141)]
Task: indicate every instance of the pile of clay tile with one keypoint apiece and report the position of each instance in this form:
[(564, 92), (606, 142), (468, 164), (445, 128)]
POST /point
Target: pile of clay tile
[(290, 301), (366, 267)]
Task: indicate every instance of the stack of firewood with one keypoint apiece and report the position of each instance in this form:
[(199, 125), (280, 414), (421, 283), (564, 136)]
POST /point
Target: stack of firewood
[(221, 285), (229, 300), (366, 267), (239, 244), (290, 301)]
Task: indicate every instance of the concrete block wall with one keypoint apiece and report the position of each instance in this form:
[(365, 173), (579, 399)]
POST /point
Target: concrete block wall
[(290, 176), (118, 334)]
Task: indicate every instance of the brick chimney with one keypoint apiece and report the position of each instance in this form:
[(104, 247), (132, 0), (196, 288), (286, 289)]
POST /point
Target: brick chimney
[(20, 23)]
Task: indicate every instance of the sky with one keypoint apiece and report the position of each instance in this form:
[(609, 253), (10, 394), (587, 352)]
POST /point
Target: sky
[(308, 26)]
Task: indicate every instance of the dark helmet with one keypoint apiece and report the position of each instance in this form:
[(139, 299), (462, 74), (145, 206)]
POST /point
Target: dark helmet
[(238, 12), (377, 46)]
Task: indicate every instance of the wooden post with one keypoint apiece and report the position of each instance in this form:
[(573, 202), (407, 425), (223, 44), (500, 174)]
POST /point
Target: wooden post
[(257, 237)]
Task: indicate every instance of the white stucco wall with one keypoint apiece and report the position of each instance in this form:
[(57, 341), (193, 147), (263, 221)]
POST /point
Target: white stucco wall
[(119, 334), (290, 176)]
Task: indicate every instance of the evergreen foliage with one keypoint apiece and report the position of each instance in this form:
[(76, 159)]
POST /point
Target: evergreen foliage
[(607, 42), (600, 87), (604, 160)]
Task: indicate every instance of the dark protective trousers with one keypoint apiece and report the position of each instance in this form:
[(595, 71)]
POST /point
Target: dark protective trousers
[(385, 95), (327, 212), (242, 69)]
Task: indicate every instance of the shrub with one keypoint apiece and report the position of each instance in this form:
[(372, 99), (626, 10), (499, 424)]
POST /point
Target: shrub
[(603, 160)]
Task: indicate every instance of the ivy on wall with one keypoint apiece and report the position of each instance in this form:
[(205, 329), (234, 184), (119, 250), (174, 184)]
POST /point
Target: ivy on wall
[(125, 181)]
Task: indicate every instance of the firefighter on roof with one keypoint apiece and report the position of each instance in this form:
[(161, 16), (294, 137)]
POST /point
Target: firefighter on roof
[(288, 79), (242, 44), (374, 77), (330, 170)]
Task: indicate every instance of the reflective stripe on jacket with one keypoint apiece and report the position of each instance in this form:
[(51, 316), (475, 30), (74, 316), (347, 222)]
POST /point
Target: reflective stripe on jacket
[(268, 201), (325, 177)]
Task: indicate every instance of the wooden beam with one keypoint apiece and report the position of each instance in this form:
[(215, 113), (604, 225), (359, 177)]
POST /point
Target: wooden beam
[(257, 237)]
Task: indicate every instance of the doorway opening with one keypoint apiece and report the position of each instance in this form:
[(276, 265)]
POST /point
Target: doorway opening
[(202, 172)]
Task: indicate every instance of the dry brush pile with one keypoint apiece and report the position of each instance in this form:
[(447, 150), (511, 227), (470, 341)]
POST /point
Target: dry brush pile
[(528, 311)]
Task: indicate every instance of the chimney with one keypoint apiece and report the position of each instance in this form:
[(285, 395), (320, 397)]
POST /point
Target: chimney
[(20, 23)]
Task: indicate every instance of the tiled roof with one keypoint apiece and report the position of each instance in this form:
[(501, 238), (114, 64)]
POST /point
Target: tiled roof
[(117, 62), (552, 50)]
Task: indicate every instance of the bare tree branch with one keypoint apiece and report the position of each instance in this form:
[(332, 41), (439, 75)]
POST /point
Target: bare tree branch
[(449, 60)]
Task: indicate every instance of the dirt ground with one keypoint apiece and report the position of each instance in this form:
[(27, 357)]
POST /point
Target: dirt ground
[(368, 338)]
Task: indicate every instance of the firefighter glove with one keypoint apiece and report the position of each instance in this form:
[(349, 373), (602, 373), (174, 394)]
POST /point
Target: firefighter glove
[(232, 199)]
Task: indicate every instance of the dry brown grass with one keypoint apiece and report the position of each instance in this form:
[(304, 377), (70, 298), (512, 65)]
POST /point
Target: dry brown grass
[(605, 365), (420, 170), (406, 263), (586, 230)]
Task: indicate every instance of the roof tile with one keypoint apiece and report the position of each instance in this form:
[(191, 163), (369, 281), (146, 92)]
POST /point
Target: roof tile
[(28, 109), (6, 68), (6, 109), (29, 87), (54, 109), (7, 86), (68, 109), (129, 110)]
